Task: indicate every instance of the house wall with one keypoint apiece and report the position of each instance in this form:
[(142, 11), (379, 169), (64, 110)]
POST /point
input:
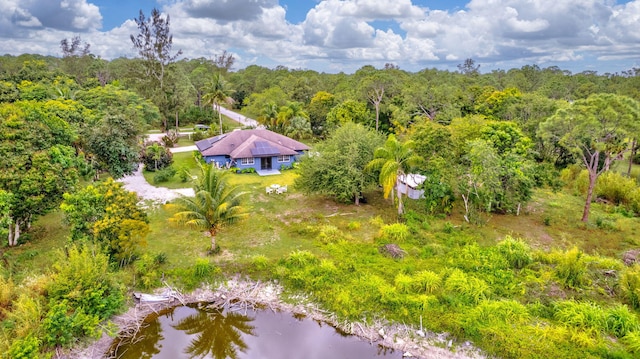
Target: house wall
[(222, 161)]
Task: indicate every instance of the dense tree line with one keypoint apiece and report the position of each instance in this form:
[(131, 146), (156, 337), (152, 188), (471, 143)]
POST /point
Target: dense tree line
[(483, 141)]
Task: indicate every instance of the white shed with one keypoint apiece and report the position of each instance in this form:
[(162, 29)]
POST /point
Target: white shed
[(408, 184)]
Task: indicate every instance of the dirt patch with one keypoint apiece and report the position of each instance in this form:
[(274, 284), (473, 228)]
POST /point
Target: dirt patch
[(411, 341)]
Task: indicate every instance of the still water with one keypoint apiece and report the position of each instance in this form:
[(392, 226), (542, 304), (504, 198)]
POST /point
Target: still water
[(200, 331)]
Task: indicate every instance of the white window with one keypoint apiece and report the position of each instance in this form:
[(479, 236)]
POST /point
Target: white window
[(246, 161), (284, 158)]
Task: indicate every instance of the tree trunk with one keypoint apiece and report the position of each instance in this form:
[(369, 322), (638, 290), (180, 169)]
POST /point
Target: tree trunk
[(357, 195), (14, 234), (377, 114), (220, 118), (213, 243), (177, 128), (631, 156), (587, 206), (400, 205)]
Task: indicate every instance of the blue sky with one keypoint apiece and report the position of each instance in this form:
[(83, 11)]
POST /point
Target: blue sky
[(344, 35)]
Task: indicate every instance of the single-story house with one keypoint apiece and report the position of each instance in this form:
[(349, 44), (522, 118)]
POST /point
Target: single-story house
[(260, 149), (408, 184)]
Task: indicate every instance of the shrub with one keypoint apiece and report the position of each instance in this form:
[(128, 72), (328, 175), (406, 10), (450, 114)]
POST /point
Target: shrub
[(184, 174), (170, 139), (615, 188), (426, 282), (63, 325), (146, 272), (83, 278), (329, 234), (301, 259), (25, 348), (8, 293), (515, 251), (620, 321), (149, 159), (469, 288), (491, 314), (248, 170), (260, 262), (354, 225), (629, 284), (396, 232), (571, 268), (586, 315), (203, 268), (403, 283), (164, 175), (632, 341)]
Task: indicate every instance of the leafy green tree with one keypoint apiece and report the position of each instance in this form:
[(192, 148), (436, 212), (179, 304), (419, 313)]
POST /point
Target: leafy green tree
[(393, 160), (5, 207), (321, 103), (598, 130), (215, 93), (336, 167), (114, 143), (257, 101), (38, 164), (116, 100), (434, 144), (348, 111), (110, 215), (216, 203)]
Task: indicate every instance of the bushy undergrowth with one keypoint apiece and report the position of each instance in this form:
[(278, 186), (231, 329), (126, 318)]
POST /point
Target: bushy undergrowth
[(56, 311), (507, 298)]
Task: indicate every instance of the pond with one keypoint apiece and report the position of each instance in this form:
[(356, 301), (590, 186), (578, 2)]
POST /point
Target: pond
[(204, 331)]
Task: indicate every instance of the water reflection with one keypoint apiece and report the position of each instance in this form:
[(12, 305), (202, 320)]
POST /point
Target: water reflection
[(204, 331), (217, 333)]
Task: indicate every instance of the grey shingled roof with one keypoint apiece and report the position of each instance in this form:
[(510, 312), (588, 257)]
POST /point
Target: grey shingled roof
[(242, 144)]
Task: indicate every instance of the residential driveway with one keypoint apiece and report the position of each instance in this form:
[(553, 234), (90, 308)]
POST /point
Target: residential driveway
[(138, 184)]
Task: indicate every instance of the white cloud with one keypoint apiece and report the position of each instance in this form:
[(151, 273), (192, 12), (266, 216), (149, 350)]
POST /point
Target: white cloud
[(340, 34)]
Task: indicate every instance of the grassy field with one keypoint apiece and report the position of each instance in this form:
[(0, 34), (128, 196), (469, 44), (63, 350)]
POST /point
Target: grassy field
[(331, 252)]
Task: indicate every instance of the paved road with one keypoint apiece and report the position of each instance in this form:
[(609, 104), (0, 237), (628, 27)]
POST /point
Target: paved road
[(245, 121)]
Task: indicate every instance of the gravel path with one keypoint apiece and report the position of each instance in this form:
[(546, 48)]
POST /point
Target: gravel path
[(137, 183)]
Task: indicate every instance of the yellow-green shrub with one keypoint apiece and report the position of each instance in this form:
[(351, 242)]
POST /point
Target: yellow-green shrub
[(426, 282), (629, 284), (515, 251), (403, 283), (471, 289), (395, 232), (329, 234), (571, 268), (615, 188)]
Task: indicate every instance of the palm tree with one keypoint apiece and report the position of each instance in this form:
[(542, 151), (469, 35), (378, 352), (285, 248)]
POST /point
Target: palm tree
[(218, 335), (216, 92), (216, 203), (269, 116), (156, 151), (393, 160)]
